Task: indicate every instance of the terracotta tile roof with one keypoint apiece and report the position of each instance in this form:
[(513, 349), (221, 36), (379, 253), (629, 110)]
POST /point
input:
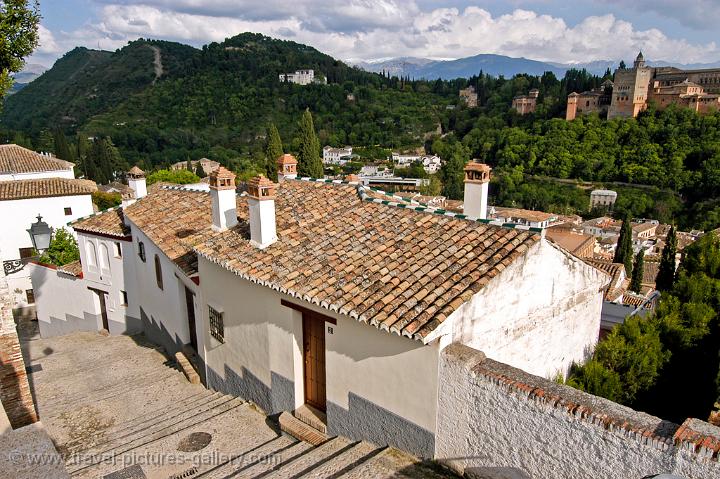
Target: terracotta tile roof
[(569, 240), (518, 213), (396, 268), (650, 271), (73, 269), (109, 222), (174, 219), (616, 271), (16, 159), (45, 187)]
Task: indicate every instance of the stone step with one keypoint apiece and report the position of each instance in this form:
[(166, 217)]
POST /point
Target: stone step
[(187, 368), (274, 462), (146, 420), (391, 462), (347, 461), (312, 459), (296, 428), (53, 406), (121, 446), (312, 417), (250, 458)]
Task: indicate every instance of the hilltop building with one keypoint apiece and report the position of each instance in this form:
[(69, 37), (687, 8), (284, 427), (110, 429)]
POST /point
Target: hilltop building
[(469, 96), (596, 100), (208, 165), (603, 199), (525, 104), (634, 88), (337, 156), (302, 77)]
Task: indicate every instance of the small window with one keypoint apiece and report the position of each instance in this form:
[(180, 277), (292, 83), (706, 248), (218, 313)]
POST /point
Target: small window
[(27, 253), (118, 250), (141, 251), (68, 211), (123, 298), (30, 294), (217, 328), (158, 272)]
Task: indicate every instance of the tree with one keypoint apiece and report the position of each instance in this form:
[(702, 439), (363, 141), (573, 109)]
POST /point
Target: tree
[(309, 162), (623, 250), (666, 273), (189, 166), (273, 151), (453, 173), (62, 147), (199, 170), (19, 21), (105, 201), (637, 273), (63, 249), (180, 177)]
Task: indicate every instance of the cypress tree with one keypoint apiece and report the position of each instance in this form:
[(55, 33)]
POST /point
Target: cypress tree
[(666, 274), (309, 162), (188, 165), (62, 147), (199, 170), (273, 151), (623, 250), (453, 174), (638, 270)]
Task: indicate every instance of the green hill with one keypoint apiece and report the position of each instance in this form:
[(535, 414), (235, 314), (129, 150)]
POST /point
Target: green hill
[(223, 95)]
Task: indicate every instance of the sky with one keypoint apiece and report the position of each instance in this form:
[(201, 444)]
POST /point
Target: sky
[(576, 31)]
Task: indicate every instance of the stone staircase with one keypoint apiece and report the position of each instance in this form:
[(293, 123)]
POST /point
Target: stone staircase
[(116, 407)]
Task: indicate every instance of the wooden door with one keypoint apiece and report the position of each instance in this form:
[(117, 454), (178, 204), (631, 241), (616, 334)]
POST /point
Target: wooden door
[(103, 309), (190, 305), (314, 359)]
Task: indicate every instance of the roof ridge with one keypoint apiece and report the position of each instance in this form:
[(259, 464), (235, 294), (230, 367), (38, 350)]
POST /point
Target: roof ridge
[(423, 208), (182, 188)]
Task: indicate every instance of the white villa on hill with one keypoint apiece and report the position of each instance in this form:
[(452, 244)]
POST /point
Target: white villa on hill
[(314, 293), (35, 189)]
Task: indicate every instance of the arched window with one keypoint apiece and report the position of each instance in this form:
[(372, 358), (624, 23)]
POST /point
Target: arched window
[(158, 272), (104, 257), (91, 254)]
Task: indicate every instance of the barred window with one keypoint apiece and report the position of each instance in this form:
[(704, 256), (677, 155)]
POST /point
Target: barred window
[(141, 250), (217, 328)]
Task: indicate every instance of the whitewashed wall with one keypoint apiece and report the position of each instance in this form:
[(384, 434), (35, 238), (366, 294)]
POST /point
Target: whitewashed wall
[(500, 422), (107, 269), (163, 311), (18, 216), (380, 386), (540, 314), (63, 302), (69, 173)]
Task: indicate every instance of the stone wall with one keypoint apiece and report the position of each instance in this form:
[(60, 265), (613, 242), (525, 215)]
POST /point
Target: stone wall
[(498, 421), (15, 392)]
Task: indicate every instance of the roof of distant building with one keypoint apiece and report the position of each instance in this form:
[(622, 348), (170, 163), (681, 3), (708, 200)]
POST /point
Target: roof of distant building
[(616, 272), (528, 215), (571, 241), (113, 187), (16, 159), (45, 187), (110, 223)]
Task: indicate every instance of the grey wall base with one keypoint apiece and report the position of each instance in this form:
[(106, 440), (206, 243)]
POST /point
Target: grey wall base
[(89, 322), (364, 420), (280, 396), (158, 334)]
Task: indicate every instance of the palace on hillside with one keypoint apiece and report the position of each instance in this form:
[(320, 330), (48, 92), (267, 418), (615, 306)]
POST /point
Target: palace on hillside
[(633, 89)]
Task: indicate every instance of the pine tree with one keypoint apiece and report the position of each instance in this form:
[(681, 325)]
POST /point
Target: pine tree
[(638, 270), (273, 151), (309, 162), (666, 274), (199, 170), (623, 251)]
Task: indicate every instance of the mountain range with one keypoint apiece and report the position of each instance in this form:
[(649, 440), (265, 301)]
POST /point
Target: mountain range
[(496, 65)]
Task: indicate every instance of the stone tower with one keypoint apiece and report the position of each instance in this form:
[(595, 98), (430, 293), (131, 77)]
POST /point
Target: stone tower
[(630, 91), (572, 102)]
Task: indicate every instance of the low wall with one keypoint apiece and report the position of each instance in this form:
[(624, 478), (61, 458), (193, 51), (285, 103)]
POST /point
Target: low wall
[(498, 421)]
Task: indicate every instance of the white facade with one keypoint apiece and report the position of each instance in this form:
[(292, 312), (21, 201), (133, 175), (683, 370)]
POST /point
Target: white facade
[(404, 160), (336, 156), (19, 215), (475, 199), (64, 173), (603, 198), (431, 164), (300, 77)]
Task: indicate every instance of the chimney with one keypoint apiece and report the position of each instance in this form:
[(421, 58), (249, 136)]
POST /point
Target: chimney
[(136, 182), (477, 177), (222, 196), (287, 167), (261, 203), (128, 198)]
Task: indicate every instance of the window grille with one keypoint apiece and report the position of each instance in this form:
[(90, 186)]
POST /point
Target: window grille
[(141, 251), (217, 328)]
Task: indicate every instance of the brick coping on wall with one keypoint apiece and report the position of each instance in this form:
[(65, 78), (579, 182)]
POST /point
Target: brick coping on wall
[(693, 435)]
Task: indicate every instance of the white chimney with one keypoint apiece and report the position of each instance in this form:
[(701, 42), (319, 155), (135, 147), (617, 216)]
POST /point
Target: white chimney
[(222, 198), (128, 198), (475, 201), (261, 203), (287, 167), (136, 182)]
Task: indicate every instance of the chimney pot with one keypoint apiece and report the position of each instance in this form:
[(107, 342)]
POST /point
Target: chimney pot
[(287, 167)]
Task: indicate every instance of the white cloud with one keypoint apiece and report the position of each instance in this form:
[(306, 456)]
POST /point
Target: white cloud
[(370, 29), (696, 13)]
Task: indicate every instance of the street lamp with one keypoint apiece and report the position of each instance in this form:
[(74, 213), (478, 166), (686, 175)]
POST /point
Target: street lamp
[(40, 233)]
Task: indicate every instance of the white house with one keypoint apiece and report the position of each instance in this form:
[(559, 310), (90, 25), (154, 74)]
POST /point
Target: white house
[(431, 163), (301, 77), (316, 294), (35, 188), (336, 156)]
